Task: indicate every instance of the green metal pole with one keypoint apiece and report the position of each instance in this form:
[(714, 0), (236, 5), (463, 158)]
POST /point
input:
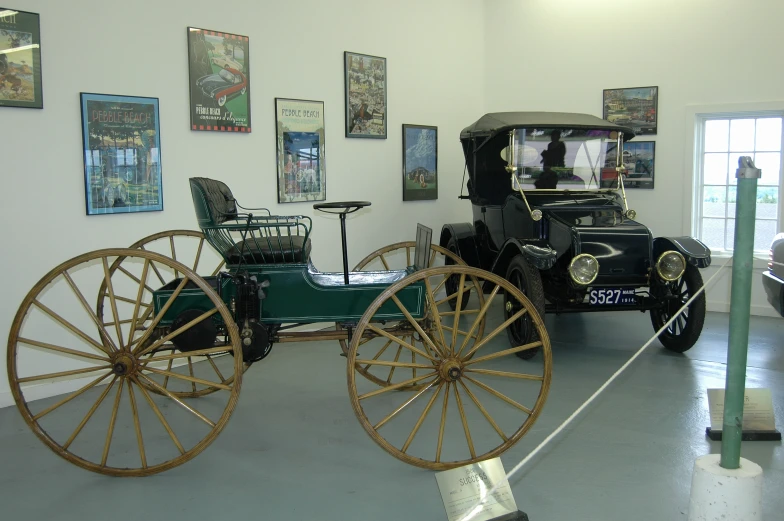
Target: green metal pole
[(740, 309)]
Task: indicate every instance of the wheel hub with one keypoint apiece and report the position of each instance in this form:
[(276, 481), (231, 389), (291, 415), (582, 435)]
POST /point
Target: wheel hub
[(123, 364), (451, 369)]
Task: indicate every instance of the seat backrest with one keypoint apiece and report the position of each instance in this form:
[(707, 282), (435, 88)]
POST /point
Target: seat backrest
[(422, 248), (213, 202)]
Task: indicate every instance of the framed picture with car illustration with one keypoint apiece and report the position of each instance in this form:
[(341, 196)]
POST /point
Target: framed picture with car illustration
[(302, 170), (636, 108), (366, 95), (420, 162), (219, 77), (122, 154), (20, 59), (638, 158)]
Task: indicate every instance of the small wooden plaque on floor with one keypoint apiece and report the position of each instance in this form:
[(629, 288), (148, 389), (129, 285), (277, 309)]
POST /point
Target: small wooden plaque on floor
[(758, 421)]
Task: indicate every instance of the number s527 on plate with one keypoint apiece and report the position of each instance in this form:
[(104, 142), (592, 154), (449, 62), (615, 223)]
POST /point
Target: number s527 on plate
[(610, 296)]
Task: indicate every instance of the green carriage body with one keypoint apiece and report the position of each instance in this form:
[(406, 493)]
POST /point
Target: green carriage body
[(274, 252)]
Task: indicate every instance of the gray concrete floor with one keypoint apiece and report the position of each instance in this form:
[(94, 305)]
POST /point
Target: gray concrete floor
[(294, 450)]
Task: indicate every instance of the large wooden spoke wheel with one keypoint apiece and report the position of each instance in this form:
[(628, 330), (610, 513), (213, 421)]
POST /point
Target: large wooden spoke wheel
[(190, 248), (470, 399), (386, 343), (82, 382), (400, 255)]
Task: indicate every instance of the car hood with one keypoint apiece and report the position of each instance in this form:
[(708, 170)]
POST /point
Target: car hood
[(212, 82)]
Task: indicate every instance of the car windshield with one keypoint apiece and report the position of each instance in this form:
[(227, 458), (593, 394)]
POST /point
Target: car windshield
[(563, 159), (226, 75)]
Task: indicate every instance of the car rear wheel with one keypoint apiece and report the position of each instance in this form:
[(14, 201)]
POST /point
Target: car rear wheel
[(527, 279), (452, 282), (684, 331), (221, 101)]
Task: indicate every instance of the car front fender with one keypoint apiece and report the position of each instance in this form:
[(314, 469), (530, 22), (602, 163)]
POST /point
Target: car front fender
[(463, 233), (542, 258), (693, 250)]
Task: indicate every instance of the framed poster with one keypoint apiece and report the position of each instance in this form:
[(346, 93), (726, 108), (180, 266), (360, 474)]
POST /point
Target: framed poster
[(636, 108), (122, 154), (20, 60), (420, 162), (638, 157), (219, 75), (302, 171), (366, 96)]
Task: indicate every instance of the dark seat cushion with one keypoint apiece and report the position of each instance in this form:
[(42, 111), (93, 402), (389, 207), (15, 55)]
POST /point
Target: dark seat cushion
[(270, 250)]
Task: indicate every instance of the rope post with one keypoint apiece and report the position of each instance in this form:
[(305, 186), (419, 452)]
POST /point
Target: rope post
[(740, 309)]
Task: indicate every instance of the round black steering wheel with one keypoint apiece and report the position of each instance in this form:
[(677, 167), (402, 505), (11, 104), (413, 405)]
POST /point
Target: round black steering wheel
[(343, 207)]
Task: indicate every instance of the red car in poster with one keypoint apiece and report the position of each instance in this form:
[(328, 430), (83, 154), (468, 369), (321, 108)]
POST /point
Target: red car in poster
[(222, 86)]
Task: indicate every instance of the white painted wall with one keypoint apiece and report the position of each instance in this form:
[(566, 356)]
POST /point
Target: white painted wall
[(296, 51), (560, 54)]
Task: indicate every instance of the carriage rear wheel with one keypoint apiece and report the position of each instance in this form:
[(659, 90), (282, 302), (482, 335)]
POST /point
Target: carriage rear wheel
[(484, 402), (190, 248), (77, 378)]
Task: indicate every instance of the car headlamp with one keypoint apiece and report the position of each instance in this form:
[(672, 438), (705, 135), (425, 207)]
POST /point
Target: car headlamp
[(670, 265), (583, 269)]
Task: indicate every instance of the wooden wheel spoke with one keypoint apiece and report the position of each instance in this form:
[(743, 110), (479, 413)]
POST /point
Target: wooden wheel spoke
[(138, 302), (392, 370), (505, 352), (408, 256), (160, 314), (495, 332), (64, 350), (198, 255), (72, 328), (484, 412), (190, 371), (443, 422), (395, 363), (191, 379), (174, 255), (179, 402), (137, 426), (479, 318), (440, 284), (396, 386), (505, 374), (464, 420), (437, 318), (113, 302), (463, 312), (215, 272), (169, 368), (421, 418), (400, 342), (446, 299), (455, 332), (177, 331), (51, 376), (89, 414), (424, 336), (90, 312), (112, 422), (137, 280), (160, 416), (70, 397), (198, 352), (380, 352), (456, 321), (404, 405), (432, 258), (499, 395), (215, 367), (154, 268), (384, 262)]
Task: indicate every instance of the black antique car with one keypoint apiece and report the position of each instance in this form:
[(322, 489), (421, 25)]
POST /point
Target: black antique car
[(550, 215)]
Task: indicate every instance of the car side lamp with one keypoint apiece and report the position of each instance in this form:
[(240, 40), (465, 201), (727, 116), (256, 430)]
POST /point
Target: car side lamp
[(511, 169), (620, 168)]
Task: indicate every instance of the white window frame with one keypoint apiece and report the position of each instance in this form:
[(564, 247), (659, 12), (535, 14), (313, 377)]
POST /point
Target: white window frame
[(696, 115)]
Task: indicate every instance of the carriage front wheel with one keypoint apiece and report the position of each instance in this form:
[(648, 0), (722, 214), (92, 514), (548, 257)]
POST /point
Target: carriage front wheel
[(82, 381), (471, 399)]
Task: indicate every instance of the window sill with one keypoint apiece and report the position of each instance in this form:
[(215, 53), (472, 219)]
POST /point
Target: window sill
[(760, 260)]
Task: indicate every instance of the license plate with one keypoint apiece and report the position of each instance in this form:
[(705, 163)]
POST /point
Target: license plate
[(610, 296)]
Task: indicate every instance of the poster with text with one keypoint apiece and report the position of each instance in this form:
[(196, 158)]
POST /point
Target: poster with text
[(122, 154), (420, 162), (20, 59), (219, 81), (302, 171)]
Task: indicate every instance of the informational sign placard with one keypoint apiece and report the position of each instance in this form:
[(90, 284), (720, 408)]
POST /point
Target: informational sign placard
[(757, 410), (464, 487)]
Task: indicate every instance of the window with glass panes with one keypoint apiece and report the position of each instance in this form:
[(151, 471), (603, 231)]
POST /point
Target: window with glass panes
[(724, 140)]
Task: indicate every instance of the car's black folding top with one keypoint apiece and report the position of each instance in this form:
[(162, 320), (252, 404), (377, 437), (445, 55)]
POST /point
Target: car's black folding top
[(496, 122)]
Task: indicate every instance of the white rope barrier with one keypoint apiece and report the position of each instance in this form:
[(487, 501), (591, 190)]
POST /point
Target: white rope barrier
[(477, 508)]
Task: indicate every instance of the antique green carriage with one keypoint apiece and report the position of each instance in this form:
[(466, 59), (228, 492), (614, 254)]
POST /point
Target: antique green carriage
[(154, 367)]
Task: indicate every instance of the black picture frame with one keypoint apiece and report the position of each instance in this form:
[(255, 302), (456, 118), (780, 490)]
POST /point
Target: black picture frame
[(21, 83), (420, 162), (300, 150), (639, 158), (365, 95), (219, 81), (635, 107), (121, 148)]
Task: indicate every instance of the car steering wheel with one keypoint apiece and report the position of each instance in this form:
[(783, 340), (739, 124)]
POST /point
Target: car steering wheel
[(345, 206)]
